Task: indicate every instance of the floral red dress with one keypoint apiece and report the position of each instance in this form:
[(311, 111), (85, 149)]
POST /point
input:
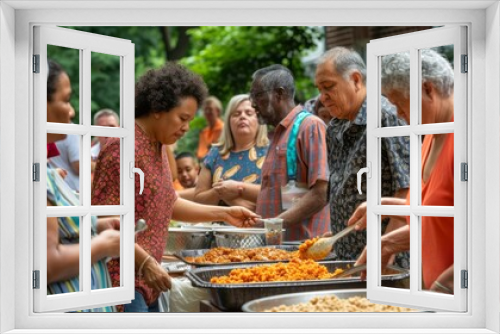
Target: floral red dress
[(155, 205)]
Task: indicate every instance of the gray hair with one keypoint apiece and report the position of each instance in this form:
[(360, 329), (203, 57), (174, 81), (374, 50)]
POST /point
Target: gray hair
[(435, 69), (345, 61), (276, 76), (215, 101), (106, 112)]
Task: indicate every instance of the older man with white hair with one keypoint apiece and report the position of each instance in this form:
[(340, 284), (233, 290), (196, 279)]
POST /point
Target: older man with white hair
[(104, 117), (437, 166), (341, 80)]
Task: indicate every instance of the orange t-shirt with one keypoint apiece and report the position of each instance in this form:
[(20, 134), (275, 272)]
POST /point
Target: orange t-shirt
[(209, 136), (437, 232), (177, 185)]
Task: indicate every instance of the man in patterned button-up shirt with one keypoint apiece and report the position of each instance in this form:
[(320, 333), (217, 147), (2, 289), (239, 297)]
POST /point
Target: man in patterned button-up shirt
[(272, 95), (341, 80)]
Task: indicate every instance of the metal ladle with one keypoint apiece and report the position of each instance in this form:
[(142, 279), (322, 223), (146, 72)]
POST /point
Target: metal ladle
[(140, 226)]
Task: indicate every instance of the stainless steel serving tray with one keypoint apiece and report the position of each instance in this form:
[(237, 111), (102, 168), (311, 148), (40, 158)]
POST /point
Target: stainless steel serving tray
[(182, 254), (263, 304), (230, 297)]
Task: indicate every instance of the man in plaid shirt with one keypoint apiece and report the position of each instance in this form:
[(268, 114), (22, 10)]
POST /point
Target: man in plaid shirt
[(341, 80), (272, 96)]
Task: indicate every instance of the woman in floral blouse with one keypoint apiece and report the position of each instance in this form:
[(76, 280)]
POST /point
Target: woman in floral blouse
[(166, 101), (232, 168)]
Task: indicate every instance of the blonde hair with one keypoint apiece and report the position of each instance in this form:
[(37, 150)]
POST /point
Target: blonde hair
[(226, 140)]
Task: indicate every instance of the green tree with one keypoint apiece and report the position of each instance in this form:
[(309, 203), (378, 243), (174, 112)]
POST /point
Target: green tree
[(105, 69), (226, 57)]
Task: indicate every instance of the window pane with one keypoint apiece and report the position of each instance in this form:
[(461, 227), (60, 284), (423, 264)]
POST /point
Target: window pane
[(395, 168), (437, 77), (106, 250), (63, 160), (396, 267), (63, 255), (106, 176), (437, 170), (395, 89), (63, 85), (105, 81), (437, 254)]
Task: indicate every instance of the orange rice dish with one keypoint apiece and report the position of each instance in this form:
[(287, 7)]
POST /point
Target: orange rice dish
[(231, 255), (305, 246), (228, 255), (295, 270)]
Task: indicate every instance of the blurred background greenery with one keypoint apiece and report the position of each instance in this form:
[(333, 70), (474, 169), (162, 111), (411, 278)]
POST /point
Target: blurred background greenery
[(225, 57)]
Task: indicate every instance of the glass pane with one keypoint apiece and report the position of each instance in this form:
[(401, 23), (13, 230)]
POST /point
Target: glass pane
[(106, 173), (437, 254), (395, 89), (437, 84), (105, 87), (395, 169), (437, 170), (106, 251), (63, 85), (63, 254), (396, 266), (63, 156)]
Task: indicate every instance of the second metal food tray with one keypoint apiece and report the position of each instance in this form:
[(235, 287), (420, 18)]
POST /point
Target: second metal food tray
[(183, 254), (230, 297)]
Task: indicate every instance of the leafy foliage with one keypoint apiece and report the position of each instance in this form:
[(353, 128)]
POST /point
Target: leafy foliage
[(226, 57), (105, 69)]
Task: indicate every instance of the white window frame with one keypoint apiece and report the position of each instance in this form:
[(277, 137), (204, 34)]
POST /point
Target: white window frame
[(85, 43), (483, 21), (413, 43)]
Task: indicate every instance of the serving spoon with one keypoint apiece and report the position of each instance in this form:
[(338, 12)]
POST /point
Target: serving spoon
[(323, 246), (140, 226)]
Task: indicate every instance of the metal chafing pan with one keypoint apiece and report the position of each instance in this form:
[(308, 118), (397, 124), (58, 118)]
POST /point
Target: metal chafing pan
[(230, 297), (183, 254), (263, 304)]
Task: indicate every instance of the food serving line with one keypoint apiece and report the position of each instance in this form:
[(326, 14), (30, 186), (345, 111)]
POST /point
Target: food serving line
[(187, 243)]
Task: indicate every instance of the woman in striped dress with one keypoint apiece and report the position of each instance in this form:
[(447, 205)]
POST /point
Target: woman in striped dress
[(63, 233)]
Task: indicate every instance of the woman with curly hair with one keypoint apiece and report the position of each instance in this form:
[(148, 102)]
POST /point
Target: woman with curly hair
[(166, 100)]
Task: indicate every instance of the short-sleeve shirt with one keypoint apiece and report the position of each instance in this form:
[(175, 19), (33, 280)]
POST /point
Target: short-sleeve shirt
[(311, 167), (155, 205), (69, 152), (209, 136), (346, 142), (244, 166), (59, 194), (437, 232)]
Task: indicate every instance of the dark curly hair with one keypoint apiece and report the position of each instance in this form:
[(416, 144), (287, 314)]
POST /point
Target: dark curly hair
[(162, 89), (55, 70)]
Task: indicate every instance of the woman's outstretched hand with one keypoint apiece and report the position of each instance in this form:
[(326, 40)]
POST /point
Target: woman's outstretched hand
[(239, 216)]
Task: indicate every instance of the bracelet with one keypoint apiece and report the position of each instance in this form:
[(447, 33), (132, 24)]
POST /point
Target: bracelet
[(139, 272), (442, 287)]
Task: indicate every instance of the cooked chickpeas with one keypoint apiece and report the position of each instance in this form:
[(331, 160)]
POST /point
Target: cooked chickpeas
[(334, 304)]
